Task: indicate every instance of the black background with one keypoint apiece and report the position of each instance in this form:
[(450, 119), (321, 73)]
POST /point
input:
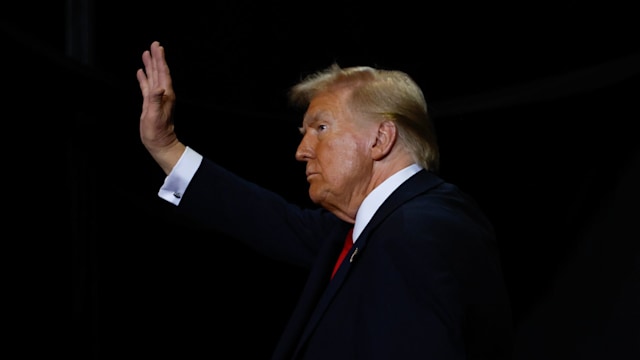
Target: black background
[(536, 107)]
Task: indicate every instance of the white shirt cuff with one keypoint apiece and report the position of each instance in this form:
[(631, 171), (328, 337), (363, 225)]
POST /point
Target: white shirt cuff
[(175, 184)]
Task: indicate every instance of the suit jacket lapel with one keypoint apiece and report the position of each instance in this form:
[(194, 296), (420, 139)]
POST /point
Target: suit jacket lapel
[(419, 183)]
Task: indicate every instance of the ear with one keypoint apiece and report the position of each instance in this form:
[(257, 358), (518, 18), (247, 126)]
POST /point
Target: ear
[(385, 139)]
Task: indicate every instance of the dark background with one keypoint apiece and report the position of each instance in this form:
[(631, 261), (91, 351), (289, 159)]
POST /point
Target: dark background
[(536, 107)]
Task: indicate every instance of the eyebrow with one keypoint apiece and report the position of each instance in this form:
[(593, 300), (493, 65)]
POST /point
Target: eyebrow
[(305, 125), (307, 122)]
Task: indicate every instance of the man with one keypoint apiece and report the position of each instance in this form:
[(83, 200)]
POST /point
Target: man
[(420, 276)]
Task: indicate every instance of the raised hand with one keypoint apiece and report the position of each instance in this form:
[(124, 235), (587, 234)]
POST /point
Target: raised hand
[(156, 120)]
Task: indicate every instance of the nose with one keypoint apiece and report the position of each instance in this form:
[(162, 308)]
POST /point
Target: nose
[(304, 151)]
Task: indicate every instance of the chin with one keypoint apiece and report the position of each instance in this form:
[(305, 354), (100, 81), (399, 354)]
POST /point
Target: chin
[(315, 197)]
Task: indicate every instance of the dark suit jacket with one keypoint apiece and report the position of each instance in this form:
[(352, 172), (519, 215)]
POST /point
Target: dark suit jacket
[(423, 280)]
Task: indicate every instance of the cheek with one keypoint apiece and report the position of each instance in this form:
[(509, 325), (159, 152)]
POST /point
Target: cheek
[(342, 159)]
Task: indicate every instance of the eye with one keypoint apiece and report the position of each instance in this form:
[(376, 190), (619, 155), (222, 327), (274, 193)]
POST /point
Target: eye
[(322, 127)]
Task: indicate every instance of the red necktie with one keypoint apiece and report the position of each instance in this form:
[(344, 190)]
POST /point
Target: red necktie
[(348, 242)]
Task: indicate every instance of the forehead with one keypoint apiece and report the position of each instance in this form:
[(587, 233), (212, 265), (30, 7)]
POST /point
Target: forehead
[(326, 106)]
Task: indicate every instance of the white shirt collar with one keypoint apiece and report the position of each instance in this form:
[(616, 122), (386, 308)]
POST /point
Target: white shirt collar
[(372, 202)]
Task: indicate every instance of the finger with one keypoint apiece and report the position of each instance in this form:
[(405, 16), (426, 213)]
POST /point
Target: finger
[(142, 81), (144, 89), (161, 68), (147, 74), (157, 58)]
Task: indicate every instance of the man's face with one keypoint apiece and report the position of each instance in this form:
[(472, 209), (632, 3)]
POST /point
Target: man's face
[(336, 146)]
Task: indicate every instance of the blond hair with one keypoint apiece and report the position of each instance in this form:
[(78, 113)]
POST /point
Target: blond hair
[(391, 94)]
